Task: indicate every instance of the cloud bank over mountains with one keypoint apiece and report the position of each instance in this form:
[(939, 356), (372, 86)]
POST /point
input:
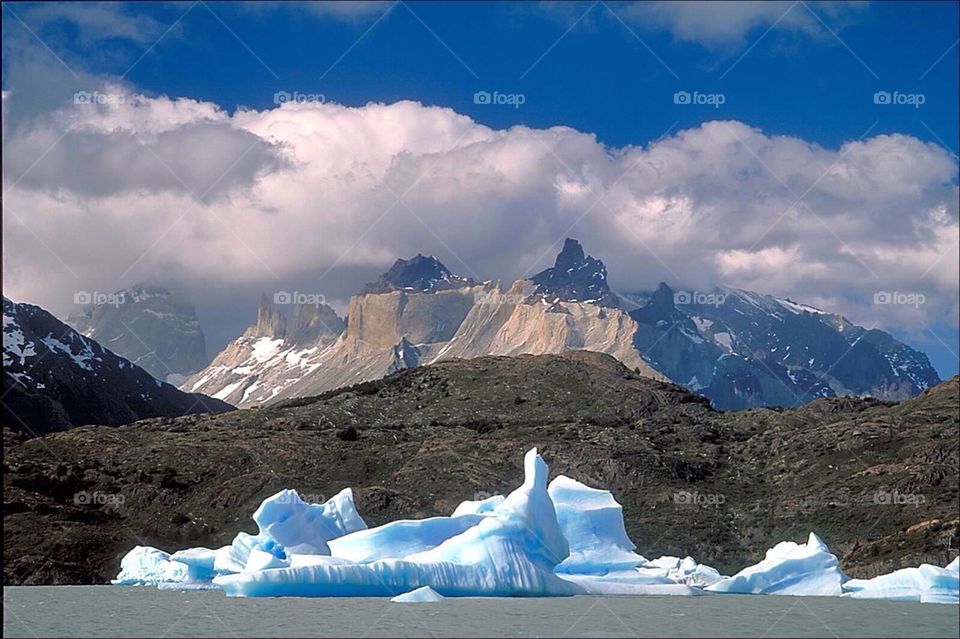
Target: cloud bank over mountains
[(116, 187)]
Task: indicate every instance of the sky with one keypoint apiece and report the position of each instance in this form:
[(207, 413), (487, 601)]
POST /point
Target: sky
[(803, 149)]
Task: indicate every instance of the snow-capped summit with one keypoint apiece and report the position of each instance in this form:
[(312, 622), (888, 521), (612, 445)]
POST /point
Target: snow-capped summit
[(420, 273)]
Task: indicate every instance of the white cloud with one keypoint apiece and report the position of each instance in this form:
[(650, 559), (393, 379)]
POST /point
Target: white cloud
[(707, 205), (728, 23)]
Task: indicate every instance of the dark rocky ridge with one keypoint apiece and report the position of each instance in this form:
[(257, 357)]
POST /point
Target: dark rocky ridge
[(54, 378), (575, 277), (722, 487), (420, 273)]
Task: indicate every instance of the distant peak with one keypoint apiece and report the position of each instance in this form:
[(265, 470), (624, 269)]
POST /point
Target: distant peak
[(419, 274), (576, 277)]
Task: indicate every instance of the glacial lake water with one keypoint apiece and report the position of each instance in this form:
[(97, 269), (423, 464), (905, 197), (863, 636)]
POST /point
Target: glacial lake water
[(103, 611)]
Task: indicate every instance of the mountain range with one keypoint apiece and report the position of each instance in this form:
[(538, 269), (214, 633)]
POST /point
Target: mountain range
[(737, 348), (55, 378)]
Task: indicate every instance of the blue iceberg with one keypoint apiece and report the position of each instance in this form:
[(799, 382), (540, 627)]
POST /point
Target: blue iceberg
[(927, 584), (789, 568), (560, 539), (511, 552)]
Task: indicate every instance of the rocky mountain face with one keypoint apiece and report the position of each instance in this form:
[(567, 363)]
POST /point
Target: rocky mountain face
[(54, 378), (741, 349), (148, 325), (272, 355), (418, 313), (421, 274), (737, 348), (877, 480), (575, 277)]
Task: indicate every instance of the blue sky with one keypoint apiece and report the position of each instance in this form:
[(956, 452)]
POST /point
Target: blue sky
[(804, 70), (602, 74)]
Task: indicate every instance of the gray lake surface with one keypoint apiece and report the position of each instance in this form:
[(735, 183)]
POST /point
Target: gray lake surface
[(104, 611)]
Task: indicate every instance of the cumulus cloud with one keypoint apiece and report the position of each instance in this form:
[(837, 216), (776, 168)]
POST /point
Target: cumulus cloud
[(334, 194)]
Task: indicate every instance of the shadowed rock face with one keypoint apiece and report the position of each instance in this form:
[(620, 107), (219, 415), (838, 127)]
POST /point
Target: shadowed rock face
[(741, 349), (575, 277), (150, 326), (421, 273), (55, 378), (877, 481)]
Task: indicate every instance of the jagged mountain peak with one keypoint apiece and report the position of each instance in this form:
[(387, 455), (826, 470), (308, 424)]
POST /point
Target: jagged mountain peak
[(420, 273), (306, 322), (575, 277)]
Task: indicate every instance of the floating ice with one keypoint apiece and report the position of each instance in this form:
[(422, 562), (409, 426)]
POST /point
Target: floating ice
[(928, 584), (426, 594), (789, 569), (630, 582), (148, 566), (685, 571), (511, 552), (592, 522), (561, 539)]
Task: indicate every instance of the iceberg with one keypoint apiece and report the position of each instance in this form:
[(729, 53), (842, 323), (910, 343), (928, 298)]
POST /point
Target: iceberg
[(511, 552), (592, 522), (789, 568), (685, 571), (426, 594), (558, 539), (927, 584), (148, 566), (630, 582)]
